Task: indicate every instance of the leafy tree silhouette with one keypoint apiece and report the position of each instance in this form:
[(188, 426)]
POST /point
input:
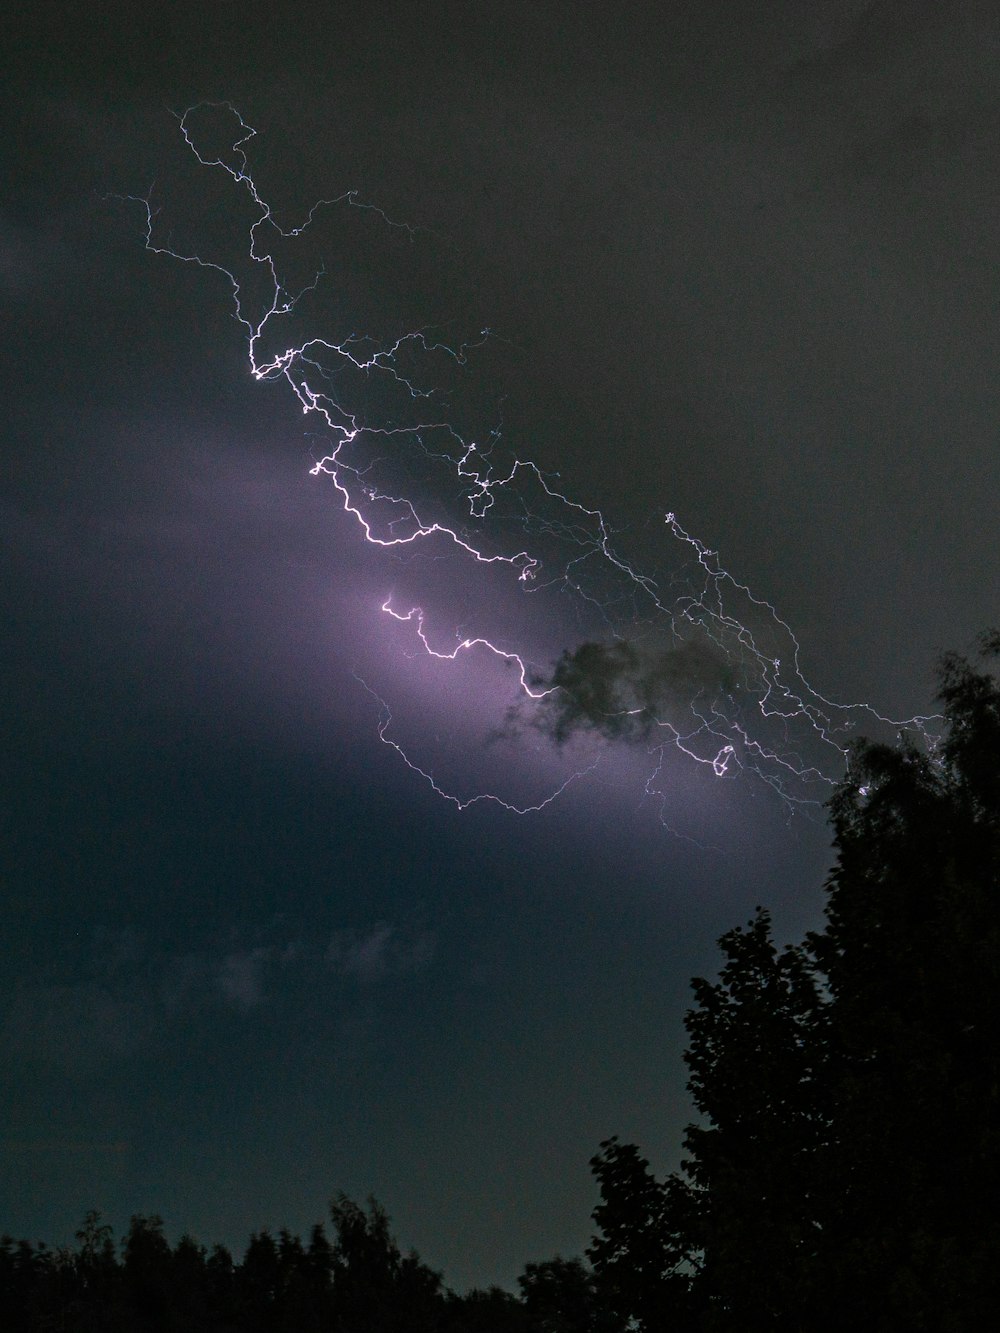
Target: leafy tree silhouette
[(97, 1279), (911, 954), (845, 1169), (485, 1311), (561, 1296), (376, 1289), (147, 1274)]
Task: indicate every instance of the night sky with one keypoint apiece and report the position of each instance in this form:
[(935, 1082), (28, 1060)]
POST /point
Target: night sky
[(740, 264)]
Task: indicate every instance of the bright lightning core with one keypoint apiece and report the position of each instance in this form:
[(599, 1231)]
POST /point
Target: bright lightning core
[(683, 659)]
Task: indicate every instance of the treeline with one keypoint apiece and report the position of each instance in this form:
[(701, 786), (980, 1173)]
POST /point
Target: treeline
[(843, 1171), (350, 1279)]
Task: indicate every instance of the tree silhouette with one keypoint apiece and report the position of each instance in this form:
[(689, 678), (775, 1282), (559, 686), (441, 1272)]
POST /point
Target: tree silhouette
[(357, 1281), (562, 1296), (911, 955), (375, 1288), (845, 1168), (642, 1254), (148, 1276), (97, 1279), (756, 1055)]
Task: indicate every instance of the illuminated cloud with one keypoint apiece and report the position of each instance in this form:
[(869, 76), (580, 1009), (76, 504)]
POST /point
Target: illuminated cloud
[(369, 956)]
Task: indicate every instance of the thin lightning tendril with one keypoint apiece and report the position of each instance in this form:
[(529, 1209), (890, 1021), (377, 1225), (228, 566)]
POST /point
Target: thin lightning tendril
[(745, 630), (460, 803)]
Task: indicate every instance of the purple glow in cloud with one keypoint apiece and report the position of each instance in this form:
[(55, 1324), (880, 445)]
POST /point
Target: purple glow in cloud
[(416, 483)]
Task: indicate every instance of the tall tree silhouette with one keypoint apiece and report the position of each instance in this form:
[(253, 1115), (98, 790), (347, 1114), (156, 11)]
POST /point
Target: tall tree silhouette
[(147, 1272), (561, 1296), (845, 1169), (647, 1245), (377, 1289), (756, 1055), (911, 954)]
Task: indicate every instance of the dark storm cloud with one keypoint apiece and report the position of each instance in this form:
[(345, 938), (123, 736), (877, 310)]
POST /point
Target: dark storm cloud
[(943, 52), (622, 690)]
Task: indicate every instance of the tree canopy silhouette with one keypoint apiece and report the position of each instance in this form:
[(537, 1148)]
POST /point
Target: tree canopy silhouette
[(353, 1280), (844, 1169)]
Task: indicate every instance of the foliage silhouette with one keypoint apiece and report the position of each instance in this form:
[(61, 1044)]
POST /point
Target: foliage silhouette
[(353, 1280), (844, 1172)]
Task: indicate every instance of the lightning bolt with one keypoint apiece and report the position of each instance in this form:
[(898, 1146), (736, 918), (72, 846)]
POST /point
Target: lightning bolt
[(410, 478)]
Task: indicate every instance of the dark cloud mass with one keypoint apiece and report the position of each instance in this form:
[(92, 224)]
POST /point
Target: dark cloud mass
[(740, 265), (624, 690)]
